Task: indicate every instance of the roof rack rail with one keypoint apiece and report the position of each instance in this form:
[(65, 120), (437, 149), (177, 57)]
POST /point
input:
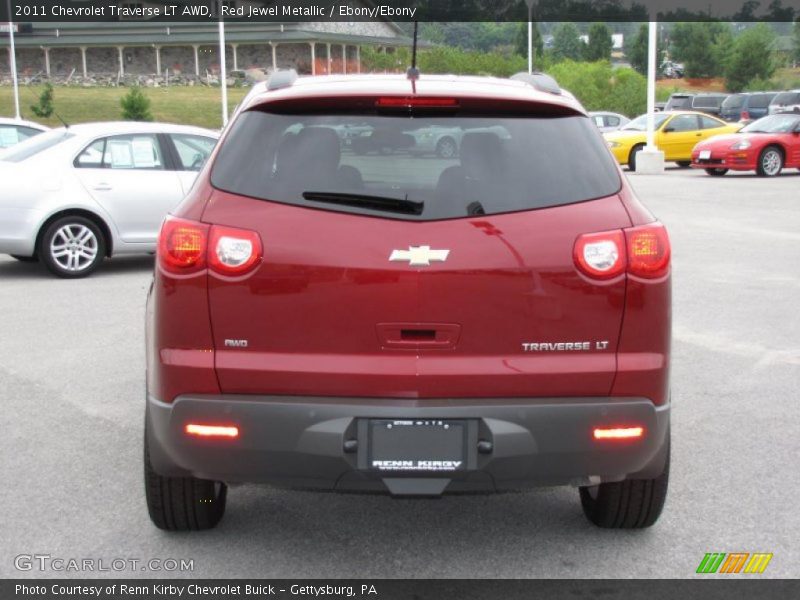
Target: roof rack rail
[(281, 79), (540, 81)]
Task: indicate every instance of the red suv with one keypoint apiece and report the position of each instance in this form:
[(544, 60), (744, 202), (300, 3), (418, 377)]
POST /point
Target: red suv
[(491, 320)]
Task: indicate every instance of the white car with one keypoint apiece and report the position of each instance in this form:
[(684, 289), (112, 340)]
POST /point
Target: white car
[(73, 196), (14, 131), (609, 121)]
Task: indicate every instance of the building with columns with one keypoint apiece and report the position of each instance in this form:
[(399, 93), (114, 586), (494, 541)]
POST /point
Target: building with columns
[(152, 47)]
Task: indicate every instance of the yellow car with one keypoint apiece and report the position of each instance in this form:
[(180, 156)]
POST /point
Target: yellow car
[(677, 132)]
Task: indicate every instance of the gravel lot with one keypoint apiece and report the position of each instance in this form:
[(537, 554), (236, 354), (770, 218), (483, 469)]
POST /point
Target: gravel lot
[(72, 390)]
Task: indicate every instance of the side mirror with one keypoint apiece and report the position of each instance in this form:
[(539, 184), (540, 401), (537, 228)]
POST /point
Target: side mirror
[(668, 129)]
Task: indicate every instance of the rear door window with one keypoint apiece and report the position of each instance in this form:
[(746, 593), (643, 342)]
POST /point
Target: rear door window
[(193, 150), (430, 167), (760, 100), (709, 123)]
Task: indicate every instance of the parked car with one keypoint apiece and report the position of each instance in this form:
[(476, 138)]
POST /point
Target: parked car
[(14, 131), (346, 322), (444, 142), (108, 187), (676, 133), (609, 121), (711, 104), (747, 106), (672, 70), (766, 146), (785, 102)]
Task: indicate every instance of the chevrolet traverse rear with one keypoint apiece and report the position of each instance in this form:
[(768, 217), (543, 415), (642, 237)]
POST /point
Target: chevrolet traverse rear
[(495, 319)]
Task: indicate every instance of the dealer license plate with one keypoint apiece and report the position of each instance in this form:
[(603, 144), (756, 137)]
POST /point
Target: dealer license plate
[(417, 445)]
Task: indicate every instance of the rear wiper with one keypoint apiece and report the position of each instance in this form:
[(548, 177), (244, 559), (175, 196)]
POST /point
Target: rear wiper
[(398, 205)]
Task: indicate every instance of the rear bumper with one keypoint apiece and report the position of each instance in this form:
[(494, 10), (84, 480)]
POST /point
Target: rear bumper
[(300, 441)]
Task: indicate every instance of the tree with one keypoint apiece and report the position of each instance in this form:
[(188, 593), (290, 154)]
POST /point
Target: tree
[(136, 106), (752, 57), (600, 87), (521, 42), (693, 45), (600, 43), (44, 108), (567, 43), (796, 40)]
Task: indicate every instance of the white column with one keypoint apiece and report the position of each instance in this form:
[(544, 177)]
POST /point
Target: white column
[(12, 55), (274, 47), (223, 72), (313, 59), (83, 61), (196, 61), (650, 159), (47, 61), (235, 57), (344, 59), (651, 83), (158, 60), (121, 61), (329, 59)]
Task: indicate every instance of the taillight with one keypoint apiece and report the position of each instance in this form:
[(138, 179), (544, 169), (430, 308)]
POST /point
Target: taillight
[(182, 245), (644, 251), (745, 116), (233, 251), (600, 255), (189, 246), (648, 251)]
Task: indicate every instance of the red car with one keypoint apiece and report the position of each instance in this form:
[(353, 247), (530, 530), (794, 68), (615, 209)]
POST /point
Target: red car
[(347, 322), (766, 146)]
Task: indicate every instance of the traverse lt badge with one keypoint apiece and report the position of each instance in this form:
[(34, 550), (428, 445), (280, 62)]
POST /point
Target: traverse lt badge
[(419, 256)]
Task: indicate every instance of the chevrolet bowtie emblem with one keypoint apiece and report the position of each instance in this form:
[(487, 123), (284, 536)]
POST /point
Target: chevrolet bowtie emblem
[(419, 256)]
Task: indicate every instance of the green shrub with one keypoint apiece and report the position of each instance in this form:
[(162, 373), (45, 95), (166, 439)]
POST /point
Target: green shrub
[(136, 106), (600, 87), (44, 108)]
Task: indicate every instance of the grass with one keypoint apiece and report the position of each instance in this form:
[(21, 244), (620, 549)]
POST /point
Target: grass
[(197, 105)]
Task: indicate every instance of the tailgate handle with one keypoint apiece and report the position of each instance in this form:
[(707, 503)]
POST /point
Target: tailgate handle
[(418, 336)]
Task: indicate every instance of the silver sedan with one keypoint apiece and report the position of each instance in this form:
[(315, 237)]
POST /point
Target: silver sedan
[(73, 196)]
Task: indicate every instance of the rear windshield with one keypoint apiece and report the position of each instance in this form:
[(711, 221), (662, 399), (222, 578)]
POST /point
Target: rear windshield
[(733, 102), (708, 101), (420, 167), (786, 98), (34, 145), (679, 102)]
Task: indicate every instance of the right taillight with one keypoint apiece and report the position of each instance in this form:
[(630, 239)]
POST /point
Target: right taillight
[(641, 251), (186, 247), (648, 251)]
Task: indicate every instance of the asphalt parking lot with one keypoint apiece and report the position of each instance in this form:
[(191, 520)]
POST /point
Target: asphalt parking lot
[(72, 388)]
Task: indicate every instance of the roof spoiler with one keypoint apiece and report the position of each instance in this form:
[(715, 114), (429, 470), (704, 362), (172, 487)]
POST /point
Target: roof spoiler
[(281, 79), (540, 81)]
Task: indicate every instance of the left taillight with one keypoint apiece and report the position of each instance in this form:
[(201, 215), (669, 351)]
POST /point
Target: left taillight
[(182, 245), (186, 246)]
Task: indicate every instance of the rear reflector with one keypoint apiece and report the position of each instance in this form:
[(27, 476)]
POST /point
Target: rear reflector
[(618, 433), (223, 431), (415, 101)]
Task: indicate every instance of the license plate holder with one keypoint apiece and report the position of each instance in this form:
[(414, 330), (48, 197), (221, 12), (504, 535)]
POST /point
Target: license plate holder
[(417, 446), (704, 154)]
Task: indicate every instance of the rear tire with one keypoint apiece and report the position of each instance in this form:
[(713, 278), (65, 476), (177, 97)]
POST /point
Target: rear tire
[(632, 157), (182, 503), (72, 247), (630, 504), (684, 164), (716, 172), (770, 162), (25, 259)]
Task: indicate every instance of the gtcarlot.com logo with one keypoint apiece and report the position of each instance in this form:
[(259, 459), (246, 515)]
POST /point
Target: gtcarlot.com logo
[(734, 562), (47, 562)]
